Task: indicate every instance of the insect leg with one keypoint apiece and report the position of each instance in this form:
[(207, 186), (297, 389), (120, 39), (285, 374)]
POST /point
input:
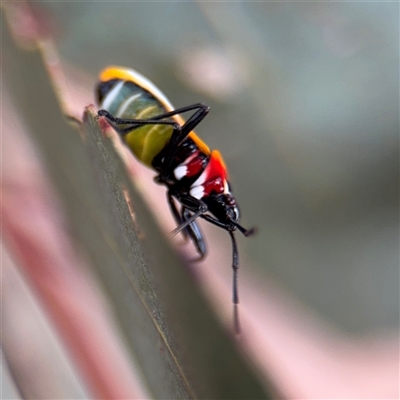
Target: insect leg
[(135, 123), (179, 133), (197, 207), (178, 136), (195, 233), (182, 110), (177, 216), (192, 230), (195, 119)]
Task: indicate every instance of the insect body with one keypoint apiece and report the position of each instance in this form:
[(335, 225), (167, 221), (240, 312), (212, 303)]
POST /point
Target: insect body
[(194, 175)]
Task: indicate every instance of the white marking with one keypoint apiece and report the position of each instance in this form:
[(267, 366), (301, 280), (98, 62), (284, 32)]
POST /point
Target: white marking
[(226, 187), (197, 192), (180, 172), (126, 104), (142, 81), (112, 94)]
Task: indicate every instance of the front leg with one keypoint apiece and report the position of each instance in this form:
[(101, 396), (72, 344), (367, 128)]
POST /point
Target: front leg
[(195, 234), (197, 207), (192, 230), (177, 216)]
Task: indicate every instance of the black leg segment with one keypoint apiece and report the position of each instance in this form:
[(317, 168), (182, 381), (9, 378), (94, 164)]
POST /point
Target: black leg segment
[(195, 233), (191, 203), (135, 123)]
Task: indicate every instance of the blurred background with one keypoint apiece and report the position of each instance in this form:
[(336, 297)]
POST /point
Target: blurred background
[(305, 108)]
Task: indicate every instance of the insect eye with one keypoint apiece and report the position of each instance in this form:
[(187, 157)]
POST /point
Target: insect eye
[(233, 214), (230, 214)]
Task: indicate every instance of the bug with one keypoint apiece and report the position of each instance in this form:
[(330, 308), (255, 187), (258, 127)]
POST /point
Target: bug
[(195, 176)]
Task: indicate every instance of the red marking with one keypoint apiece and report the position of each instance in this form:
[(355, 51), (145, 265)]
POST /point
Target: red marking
[(215, 186), (216, 166), (104, 124), (194, 165), (106, 129), (216, 174)]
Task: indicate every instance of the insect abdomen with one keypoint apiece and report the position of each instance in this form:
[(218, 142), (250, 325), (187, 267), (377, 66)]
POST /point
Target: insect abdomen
[(124, 99)]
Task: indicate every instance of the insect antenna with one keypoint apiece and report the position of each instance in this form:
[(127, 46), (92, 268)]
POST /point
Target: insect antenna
[(236, 320), (235, 267), (246, 232)]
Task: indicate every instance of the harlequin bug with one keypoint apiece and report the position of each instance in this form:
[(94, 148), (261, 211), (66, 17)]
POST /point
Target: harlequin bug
[(195, 176)]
